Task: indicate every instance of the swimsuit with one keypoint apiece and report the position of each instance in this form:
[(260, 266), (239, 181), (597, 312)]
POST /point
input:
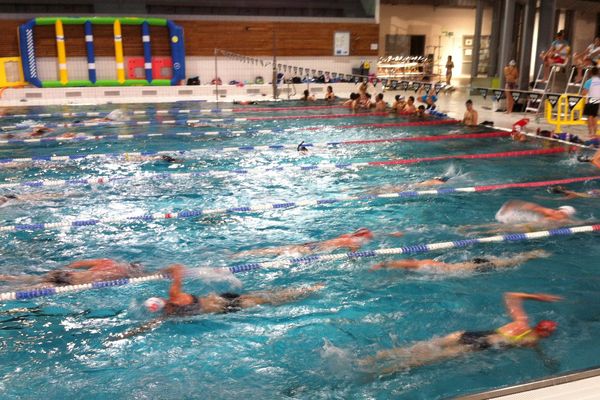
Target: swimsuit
[(59, 277), (233, 303), (478, 340), (193, 308), (483, 264)]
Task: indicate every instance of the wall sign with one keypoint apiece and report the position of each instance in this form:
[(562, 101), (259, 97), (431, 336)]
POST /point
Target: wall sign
[(341, 44)]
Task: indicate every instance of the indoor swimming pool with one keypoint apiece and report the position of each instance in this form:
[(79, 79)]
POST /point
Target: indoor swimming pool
[(234, 163)]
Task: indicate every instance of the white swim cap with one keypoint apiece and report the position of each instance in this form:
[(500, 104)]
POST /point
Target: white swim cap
[(570, 211), (154, 304), (512, 62)]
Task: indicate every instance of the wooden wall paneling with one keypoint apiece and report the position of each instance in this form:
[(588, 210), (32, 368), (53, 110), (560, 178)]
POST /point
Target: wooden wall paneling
[(201, 37)]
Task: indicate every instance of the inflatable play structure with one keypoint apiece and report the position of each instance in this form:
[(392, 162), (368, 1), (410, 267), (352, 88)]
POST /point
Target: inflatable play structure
[(125, 75)]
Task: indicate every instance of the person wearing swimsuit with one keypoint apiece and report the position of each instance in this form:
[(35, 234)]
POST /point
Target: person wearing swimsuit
[(351, 241), (477, 264), (517, 333), (81, 272), (180, 303)]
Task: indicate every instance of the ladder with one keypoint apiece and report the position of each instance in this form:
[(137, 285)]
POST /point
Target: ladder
[(541, 87), (572, 85)]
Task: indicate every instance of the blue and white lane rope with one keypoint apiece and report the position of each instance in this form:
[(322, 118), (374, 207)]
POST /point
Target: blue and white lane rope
[(103, 114), (309, 259), (86, 138), (185, 122), (148, 217), (223, 132)]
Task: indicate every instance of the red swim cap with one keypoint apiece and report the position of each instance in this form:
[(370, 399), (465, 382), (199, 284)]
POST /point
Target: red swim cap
[(545, 328)]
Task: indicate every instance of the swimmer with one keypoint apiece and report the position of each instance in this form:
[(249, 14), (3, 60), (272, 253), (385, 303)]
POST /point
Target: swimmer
[(478, 264), (302, 149), (307, 96), (594, 160), (523, 216), (156, 157), (36, 132), (439, 180), (569, 194), (12, 199), (350, 241), (351, 101), (116, 115), (410, 108), (380, 105), (245, 103), (329, 96), (517, 333), (399, 104), (518, 130), (181, 303), (470, 117), (81, 272), (539, 213), (421, 112)]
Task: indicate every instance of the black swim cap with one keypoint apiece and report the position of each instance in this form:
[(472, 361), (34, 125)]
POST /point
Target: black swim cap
[(583, 158)]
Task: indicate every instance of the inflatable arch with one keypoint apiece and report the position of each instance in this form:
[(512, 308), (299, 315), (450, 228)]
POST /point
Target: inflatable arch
[(28, 57)]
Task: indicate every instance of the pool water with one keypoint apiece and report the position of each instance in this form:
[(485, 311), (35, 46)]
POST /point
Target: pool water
[(58, 347)]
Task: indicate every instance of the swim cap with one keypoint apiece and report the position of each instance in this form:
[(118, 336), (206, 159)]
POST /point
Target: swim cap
[(545, 327), (154, 304), (512, 62), (570, 211), (442, 178)]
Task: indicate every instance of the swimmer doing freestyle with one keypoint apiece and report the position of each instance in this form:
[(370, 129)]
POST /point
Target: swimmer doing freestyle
[(570, 194), (180, 303), (350, 241), (81, 272), (523, 216), (517, 333), (477, 264)]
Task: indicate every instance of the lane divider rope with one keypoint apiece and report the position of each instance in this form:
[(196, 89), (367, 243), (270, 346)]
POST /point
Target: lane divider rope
[(129, 155), (226, 132), (309, 259), (103, 114), (190, 121), (324, 166), (149, 217)]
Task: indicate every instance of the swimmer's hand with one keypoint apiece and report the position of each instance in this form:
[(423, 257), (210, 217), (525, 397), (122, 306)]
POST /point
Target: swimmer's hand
[(396, 234), (381, 265)]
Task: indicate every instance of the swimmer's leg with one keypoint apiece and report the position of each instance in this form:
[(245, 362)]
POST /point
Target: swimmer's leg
[(278, 297), (518, 259), (25, 279)]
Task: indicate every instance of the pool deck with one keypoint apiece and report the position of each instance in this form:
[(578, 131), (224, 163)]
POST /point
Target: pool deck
[(580, 385)]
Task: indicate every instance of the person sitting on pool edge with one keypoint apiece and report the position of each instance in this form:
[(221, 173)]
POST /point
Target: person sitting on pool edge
[(180, 303), (350, 241), (517, 333), (470, 117), (477, 264), (81, 272)]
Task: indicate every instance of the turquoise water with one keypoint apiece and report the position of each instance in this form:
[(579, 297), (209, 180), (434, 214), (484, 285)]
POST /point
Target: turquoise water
[(303, 349)]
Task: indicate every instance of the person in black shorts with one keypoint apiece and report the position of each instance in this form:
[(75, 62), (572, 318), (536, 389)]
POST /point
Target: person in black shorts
[(591, 89)]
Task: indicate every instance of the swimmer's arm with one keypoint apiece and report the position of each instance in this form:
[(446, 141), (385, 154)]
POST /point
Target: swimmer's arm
[(176, 271), (514, 303), (475, 118)]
